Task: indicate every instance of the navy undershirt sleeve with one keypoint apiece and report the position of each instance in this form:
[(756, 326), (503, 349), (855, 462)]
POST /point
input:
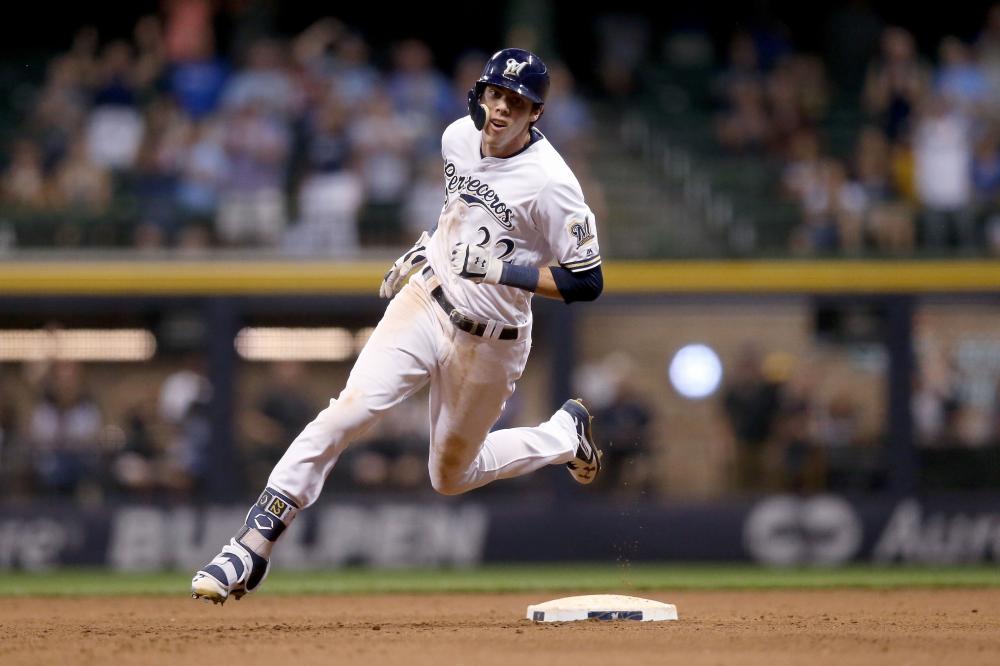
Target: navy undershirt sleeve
[(583, 286)]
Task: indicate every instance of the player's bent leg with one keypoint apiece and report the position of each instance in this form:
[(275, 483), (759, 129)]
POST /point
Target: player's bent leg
[(244, 562), (567, 438), (452, 468)]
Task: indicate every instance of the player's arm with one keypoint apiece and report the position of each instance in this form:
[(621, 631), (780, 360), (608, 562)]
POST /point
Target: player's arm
[(475, 263), (563, 284), (411, 260)]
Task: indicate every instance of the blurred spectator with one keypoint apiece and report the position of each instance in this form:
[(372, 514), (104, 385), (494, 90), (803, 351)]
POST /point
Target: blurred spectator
[(137, 466), (64, 432), (424, 200), (313, 48), (987, 49), (420, 94), (14, 458), (150, 57), (986, 171), (889, 226), (252, 209), (263, 83), (796, 97), (624, 425), (896, 82), (833, 212), (742, 64), (156, 174), (743, 122), (850, 459), (331, 193), (183, 405), (59, 110), (871, 164), (934, 402), (80, 185), (202, 172), (566, 121), (960, 79), (24, 183), (275, 418), (468, 69), (195, 75), (622, 43), (622, 421), (750, 404), (798, 465), (384, 144), (115, 125), (393, 455), (942, 146), (803, 169), (353, 77), (744, 125), (188, 31)]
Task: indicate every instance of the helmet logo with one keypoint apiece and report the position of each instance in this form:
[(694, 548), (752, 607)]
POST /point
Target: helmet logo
[(514, 68)]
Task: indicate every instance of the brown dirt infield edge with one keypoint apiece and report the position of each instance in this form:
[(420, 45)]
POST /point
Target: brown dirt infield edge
[(843, 627)]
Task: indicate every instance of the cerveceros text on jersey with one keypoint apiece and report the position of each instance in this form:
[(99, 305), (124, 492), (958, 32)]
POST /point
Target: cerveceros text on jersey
[(476, 192)]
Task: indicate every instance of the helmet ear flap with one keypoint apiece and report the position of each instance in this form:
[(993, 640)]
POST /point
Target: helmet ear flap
[(477, 111)]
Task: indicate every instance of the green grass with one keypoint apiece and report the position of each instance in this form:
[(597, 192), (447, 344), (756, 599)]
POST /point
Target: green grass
[(574, 578)]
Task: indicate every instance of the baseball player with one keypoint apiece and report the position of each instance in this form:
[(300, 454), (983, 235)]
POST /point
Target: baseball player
[(514, 224)]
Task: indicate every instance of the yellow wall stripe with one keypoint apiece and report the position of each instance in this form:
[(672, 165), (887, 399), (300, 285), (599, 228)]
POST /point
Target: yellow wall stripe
[(311, 277)]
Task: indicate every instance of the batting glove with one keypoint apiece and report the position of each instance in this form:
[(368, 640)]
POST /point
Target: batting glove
[(413, 259), (475, 263)]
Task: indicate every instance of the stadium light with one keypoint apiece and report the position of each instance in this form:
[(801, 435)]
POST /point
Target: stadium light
[(120, 344), (695, 371), (295, 344)]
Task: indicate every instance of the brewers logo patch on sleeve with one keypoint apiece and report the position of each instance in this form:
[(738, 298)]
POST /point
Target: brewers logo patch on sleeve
[(581, 231)]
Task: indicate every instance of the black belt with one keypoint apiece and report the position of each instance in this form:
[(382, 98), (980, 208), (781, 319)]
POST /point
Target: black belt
[(463, 322)]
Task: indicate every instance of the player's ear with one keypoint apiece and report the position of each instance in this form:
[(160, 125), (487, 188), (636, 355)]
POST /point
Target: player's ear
[(537, 112)]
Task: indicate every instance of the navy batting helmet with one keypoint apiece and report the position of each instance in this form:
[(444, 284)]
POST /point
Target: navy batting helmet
[(514, 69)]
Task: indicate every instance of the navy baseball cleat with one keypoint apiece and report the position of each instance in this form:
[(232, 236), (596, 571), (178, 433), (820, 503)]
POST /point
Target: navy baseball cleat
[(243, 563), (587, 464), (235, 571)]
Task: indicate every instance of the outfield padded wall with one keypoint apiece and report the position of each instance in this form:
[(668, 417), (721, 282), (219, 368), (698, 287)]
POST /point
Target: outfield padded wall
[(621, 277)]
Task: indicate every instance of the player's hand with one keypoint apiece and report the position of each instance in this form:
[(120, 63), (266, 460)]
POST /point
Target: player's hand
[(475, 263), (413, 259)]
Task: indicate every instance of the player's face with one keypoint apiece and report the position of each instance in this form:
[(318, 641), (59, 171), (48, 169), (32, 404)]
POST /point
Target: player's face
[(510, 116)]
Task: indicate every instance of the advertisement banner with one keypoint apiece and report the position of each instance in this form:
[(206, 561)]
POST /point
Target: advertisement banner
[(779, 530)]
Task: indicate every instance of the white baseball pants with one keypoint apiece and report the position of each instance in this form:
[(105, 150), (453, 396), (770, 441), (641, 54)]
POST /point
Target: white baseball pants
[(471, 378)]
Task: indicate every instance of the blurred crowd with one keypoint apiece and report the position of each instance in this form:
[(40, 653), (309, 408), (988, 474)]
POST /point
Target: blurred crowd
[(64, 436), (318, 143), (95, 432), (68, 431), (909, 162), (789, 432)]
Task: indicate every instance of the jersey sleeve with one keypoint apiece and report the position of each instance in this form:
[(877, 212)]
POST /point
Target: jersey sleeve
[(568, 225)]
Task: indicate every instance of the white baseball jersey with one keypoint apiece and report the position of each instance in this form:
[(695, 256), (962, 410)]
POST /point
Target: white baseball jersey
[(527, 208)]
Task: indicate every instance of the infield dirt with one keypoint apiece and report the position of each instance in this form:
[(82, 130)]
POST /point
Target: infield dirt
[(843, 627)]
